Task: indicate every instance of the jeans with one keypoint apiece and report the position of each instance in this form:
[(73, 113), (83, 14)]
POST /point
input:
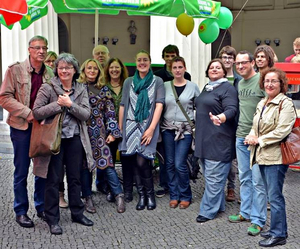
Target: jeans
[(213, 200), (176, 153), (252, 190), (86, 178), (113, 180), (232, 175), (273, 177), (21, 142)]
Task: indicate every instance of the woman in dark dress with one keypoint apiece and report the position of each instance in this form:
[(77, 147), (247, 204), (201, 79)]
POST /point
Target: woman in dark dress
[(216, 109)]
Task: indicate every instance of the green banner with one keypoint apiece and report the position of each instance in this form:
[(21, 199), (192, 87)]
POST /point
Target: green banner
[(32, 15)]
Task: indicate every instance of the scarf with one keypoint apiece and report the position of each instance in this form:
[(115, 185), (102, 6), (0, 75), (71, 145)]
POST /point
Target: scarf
[(143, 103), (211, 85)]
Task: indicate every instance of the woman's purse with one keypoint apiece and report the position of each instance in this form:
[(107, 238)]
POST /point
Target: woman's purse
[(290, 146), (45, 137)]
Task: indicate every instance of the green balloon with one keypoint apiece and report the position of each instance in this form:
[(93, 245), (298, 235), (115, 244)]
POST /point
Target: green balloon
[(208, 30), (225, 18)]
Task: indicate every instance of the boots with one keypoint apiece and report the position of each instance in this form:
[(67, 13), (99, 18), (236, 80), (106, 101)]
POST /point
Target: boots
[(89, 205), (148, 183), (142, 197), (120, 203), (62, 202)]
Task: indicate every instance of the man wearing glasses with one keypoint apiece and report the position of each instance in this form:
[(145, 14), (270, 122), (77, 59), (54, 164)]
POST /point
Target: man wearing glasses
[(228, 54), (252, 190), (17, 95)]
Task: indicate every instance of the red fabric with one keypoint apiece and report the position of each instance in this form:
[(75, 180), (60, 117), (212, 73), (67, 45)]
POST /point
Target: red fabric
[(289, 58), (13, 11)]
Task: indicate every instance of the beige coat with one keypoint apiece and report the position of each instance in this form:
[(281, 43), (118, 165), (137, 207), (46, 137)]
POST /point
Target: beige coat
[(271, 128), (15, 92)]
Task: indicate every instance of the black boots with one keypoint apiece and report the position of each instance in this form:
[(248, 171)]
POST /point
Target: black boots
[(148, 183), (145, 190), (142, 197)]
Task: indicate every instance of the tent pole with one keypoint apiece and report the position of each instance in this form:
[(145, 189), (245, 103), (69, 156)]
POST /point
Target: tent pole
[(96, 26)]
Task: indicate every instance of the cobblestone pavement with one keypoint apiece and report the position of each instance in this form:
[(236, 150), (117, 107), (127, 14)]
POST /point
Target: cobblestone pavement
[(161, 228)]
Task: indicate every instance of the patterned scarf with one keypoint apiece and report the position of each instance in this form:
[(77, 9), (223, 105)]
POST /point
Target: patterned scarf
[(214, 84), (140, 88)]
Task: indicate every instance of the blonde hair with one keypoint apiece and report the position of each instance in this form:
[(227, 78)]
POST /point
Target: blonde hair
[(100, 77), (297, 42)]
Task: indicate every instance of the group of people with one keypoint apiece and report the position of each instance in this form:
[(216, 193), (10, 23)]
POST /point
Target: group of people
[(104, 111)]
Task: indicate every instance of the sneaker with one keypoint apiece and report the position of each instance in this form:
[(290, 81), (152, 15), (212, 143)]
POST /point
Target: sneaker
[(254, 230), (161, 193), (237, 218)]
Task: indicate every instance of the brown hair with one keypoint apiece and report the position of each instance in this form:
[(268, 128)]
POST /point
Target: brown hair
[(222, 65), (124, 71), (281, 77), (176, 59), (297, 42), (228, 50), (269, 53)]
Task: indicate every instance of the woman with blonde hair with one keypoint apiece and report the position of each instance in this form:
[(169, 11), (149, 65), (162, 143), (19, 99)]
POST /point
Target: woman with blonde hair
[(102, 129)]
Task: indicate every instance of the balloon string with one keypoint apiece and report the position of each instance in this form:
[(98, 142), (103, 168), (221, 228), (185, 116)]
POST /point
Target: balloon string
[(231, 25)]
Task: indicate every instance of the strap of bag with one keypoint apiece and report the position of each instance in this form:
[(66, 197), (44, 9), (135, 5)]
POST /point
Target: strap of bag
[(280, 106), (181, 107)]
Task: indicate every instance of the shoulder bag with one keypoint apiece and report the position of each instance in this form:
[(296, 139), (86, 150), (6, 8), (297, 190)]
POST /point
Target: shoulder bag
[(45, 137), (290, 146), (192, 161)]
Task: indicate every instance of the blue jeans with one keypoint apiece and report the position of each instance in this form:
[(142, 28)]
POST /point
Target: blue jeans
[(176, 153), (273, 177), (86, 178), (21, 142), (113, 180), (213, 200), (252, 189)]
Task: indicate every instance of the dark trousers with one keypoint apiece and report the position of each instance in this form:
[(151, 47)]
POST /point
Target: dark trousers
[(21, 142), (71, 155)]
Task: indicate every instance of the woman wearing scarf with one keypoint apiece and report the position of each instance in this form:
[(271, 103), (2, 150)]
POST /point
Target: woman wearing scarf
[(141, 106), (216, 109), (177, 133)]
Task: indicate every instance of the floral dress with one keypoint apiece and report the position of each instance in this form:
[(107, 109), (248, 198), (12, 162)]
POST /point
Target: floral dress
[(102, 123)]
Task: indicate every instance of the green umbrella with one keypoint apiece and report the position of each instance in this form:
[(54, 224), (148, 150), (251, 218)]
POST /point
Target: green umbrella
[(171, 8)]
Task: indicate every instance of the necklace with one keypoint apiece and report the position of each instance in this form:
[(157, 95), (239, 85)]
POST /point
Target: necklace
[(67, 90), (115, 86)]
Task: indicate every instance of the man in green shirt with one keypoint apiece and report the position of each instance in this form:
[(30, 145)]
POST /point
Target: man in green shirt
[(252, 190)]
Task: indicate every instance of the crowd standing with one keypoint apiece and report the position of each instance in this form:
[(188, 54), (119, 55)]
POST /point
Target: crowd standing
[(240, 117)]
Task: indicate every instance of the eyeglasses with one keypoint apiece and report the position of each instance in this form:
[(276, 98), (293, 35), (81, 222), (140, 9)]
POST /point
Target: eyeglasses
[(66, 68), (230, 58), (243, 63), (39, 48), (273, 82)]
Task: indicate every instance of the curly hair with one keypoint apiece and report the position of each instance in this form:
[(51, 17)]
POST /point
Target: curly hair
[(281, 77), (100, 77), (269, 53)]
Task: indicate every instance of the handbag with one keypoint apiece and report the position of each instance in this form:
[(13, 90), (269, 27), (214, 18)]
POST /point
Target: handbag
[(290, 146), (192, 161), (45, 137)]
